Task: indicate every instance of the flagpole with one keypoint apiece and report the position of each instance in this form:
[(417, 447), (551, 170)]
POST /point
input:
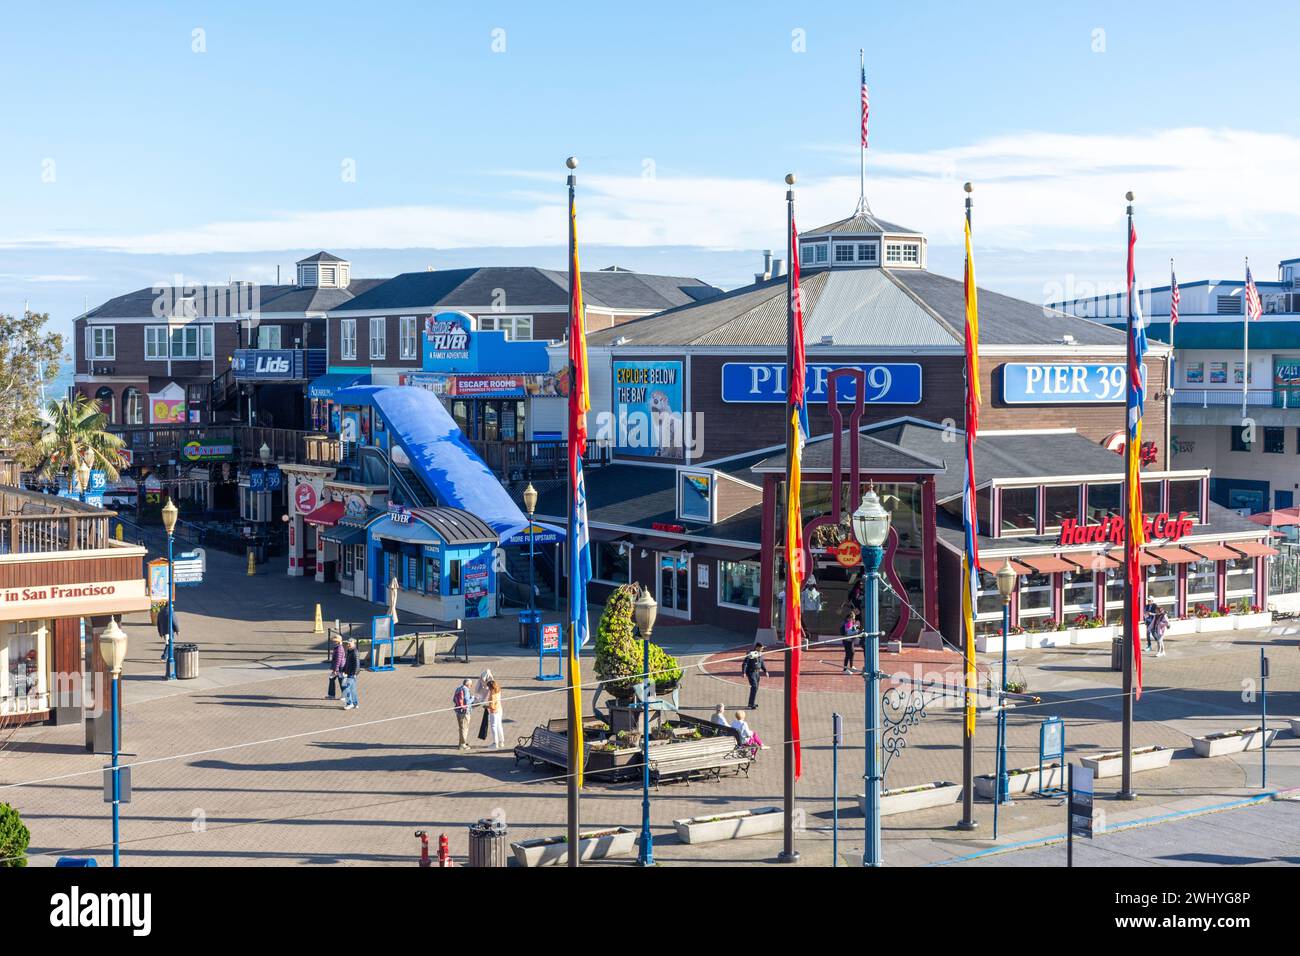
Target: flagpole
[(1126, 791), (571, 778), (1245, 348), (788, 853), (1170, 369), (968, 821), (862, 147)]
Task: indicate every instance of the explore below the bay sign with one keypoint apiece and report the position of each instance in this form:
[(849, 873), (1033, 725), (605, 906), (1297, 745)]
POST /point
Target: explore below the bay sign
[(1111, 530)]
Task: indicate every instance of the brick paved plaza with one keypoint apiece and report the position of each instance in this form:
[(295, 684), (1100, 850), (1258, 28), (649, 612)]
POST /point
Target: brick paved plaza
[(249, 764)]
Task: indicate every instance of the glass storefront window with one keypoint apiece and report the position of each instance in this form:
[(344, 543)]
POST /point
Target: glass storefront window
[(1162, 583), (1185, 495), (1061, 503), (1151, 494), (989, 600), (25, 656), (1240, 579), (738, 583), (1019, 509), (1202, 581), (1035, 595), (1103, 501), (1078, 592), (610, 562), (1114, 595)]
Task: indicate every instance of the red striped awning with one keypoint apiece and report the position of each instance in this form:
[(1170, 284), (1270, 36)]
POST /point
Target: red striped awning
[(1174, 555), (1092, 561), (1253, 549), (1215, 552), (994, 564), (327, 514), (1046, 564)]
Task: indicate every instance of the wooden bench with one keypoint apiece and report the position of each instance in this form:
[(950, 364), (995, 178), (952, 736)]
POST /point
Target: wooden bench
[(544, 747), (592, 726), (707, 757)]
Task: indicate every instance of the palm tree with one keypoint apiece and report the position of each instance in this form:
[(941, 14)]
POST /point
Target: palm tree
[(73, 432)]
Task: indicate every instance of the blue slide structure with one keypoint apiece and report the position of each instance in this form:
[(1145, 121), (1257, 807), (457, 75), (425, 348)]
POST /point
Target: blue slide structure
[(440, 456)]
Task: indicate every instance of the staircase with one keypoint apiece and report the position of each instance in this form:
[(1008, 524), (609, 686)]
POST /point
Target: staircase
[(223, 391), (517, 568)]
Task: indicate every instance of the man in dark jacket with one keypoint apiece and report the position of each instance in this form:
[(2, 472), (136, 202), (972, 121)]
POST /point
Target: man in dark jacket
[(338, 657), (754, 669), (164, 616), (351, 664)]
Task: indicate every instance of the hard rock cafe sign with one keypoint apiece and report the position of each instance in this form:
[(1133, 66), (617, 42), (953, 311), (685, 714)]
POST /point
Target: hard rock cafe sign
[(1112, 529)]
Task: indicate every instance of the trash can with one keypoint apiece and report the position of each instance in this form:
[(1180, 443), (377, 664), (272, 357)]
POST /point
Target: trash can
[(488, 843), (529, 624), (187, 661), (1117, 653)]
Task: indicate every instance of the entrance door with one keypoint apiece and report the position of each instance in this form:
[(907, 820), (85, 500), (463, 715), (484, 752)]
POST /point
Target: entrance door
[(1283, 499), (674, 584)]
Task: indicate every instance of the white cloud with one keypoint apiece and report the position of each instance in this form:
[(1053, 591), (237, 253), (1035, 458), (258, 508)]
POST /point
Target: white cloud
[(1034, 191)]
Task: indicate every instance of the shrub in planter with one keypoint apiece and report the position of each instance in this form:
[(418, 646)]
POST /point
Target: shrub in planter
[(619, 653), (14, 837)]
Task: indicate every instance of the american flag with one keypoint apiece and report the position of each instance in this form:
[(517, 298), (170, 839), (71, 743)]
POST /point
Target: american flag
[(1174, 297), (1254, 308), (865, 107)]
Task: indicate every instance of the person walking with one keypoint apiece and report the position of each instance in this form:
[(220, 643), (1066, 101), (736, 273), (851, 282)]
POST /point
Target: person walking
[(1149, 619), (1159, 625), (461, 702), (754, 668), (351, 665), (164, 615), (338, 657), (481, 688), (495, 714), (851, 630)]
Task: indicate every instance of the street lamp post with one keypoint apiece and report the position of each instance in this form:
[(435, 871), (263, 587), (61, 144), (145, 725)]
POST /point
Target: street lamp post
[(871, 528), (530, 506), (83, 480), (1006, 587), (113, 648), (169, 514), (645, 610)]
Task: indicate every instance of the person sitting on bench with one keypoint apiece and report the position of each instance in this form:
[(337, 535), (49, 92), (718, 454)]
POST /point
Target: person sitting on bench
[(743, 731)]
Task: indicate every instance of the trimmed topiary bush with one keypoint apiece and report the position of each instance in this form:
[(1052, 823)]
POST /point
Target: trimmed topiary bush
[(14, 837), (619, 653)]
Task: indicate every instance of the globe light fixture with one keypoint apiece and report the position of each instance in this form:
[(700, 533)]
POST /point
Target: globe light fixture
[(871, 520), (113, 646), (169, 514)]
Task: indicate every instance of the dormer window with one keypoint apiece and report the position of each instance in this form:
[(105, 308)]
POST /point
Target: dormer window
[(867, 252), (812, 254), (906, 253), (844, 252)]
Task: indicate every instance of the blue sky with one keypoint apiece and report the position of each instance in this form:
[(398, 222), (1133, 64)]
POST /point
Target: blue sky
[(130, 158)]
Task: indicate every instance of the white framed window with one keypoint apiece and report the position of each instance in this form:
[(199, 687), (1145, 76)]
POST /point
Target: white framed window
[(205, 340), (867, 252), (904, 252), (843, 252), (347, 338), (739, 583), (103, 342), (268, 337), (185, 342), (410, 347), (518, 328), (378, 339), (155, 342)]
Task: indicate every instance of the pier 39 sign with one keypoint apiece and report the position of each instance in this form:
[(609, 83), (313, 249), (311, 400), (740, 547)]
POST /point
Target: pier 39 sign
[(895, 383), (1063, 383)]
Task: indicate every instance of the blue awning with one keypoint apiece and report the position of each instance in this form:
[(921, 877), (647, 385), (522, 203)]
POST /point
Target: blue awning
[(331, 382), (543, 534)]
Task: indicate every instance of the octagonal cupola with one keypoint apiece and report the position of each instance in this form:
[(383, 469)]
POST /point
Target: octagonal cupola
[(324, 271), (862, 241)]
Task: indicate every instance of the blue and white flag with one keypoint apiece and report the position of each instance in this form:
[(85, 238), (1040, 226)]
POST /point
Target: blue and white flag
[(580, 558)]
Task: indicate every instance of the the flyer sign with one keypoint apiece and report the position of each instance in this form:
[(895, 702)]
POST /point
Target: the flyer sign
[(649, 409), (476, 587)]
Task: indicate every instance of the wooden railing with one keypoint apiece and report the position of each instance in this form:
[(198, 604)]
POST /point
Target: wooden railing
[(536, 459), (31, 523), (154, 444)]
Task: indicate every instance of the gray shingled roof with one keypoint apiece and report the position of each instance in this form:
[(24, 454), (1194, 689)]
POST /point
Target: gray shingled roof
[(321, 257), (218, 300), (873, 455), (868, 307), (859, 224), (528, 285)]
